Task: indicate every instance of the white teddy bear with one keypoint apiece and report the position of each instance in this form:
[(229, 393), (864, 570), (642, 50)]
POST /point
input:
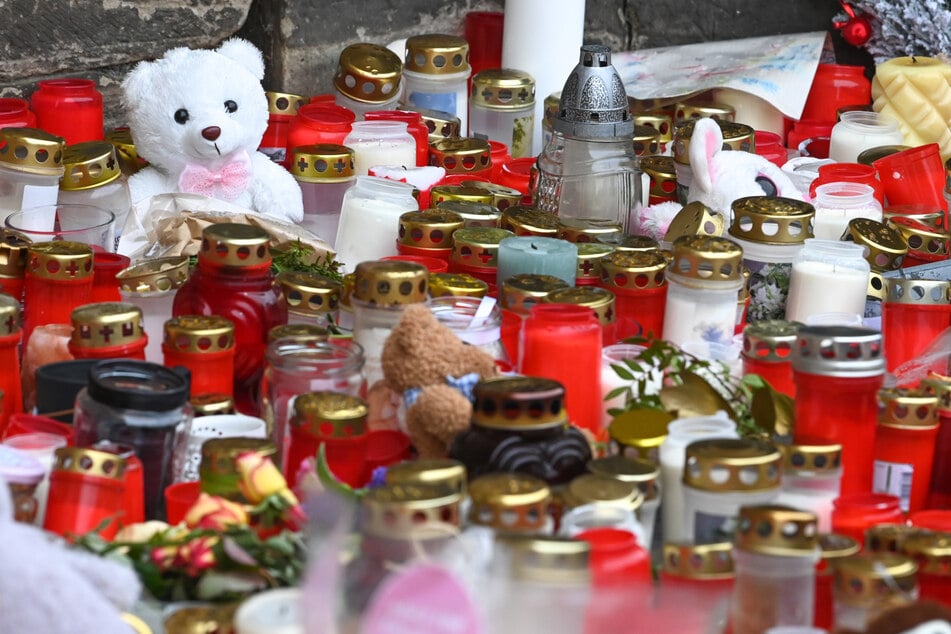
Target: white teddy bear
[(197, 117)]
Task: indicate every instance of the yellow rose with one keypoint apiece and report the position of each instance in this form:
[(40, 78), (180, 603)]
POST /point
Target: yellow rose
[(141, 532), (260, 478), (215, 513)]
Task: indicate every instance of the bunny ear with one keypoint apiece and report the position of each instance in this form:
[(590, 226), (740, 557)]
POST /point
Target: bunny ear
[(705, 142)]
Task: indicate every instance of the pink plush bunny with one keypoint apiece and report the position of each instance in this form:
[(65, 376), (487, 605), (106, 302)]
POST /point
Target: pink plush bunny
[(719, 177)]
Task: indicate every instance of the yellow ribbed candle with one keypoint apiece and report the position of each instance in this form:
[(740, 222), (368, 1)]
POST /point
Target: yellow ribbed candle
[(916, 92)]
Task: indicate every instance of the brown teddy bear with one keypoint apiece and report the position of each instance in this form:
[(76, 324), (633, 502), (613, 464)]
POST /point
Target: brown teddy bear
[(434, 371)]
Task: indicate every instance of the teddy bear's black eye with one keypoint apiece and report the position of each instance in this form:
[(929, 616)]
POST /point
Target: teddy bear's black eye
[(769, 187), (231, 106), (181, 116)]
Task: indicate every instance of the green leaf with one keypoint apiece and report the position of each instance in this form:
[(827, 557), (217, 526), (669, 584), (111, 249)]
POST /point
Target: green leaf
[(634, 365), (616, 392), (622, 372), (329, 480)]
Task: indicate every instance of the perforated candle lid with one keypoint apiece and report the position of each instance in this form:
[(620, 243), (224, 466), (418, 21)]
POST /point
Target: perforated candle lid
[(519, 402), (154, 276), (529, 221), (322, 163), (441, 196), (771, 220), (437, 54), (736, 136), (417, 511), (592, 488), (695, 219), (298, 333), (368, 73), (901, 290), (9, 315), (456, 285), (32, 150), (646, 140), (732, 464), (106, 324), (89, 164), (90, 462), (904, 408), (432, 471), (461, 155), (283, 103), (886, 247), (585, 229), (235, 245), (661, 122), (699, 561), (60, 260), (812, 458), (879, 579), (890, 538), (525, 497), (839, 351), (549, 560), (330, 414), (502, 197), (632, 470), (429, 228), (390, 282), (634, 270), (600, 300), (590, 255), (309, 293), (931, 551), (478, 247), (199, 334), (707, 258), (777, 530), (627, 242), (770, 341), (686, 110), (13, 253), (520, 292), (502, 89)]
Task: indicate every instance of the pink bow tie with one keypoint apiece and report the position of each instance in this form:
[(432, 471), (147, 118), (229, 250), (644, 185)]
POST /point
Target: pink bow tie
[(226, 183)]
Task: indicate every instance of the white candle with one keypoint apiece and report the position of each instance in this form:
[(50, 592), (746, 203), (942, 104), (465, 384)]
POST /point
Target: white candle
[(380, 143), (369, 220), (858, 131), (694, 314), (610, 380), (827, 277), (751, 110), (838, 203)]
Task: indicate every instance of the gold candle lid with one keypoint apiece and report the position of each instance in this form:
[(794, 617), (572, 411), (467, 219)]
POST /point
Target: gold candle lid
[(429, 228), (642, 429), (633, 270), (519, 403), (529, 221), (391, 282), (473, 214), (32, 150), (626, 242), (931, 551), (706, 562), (812, 459), (89, 164), (14, 247), (551, 106), (322, 163), (368, 73), (695, 219), (106, 324), (770, 341), (771, 220), (875, 580), (442, 472), (234, 245), (441, 125), (502, 89), (89, 462), (890, 538), (685, 110), (478, 246), (585, 229), (154, 276), (199, 334), (921, 238), (736, 137), (591, 488), (200, 619), (411, 511), (833, 546), (218, 455), (129, 160), (283, 103), (461, 155), (441, 195), (330, 414), (869, 156), (903, 408), (520, 292), (549, 560), (509, 502), (750, 465), (502, 197), (600, 300), (590, 255), (59, 260), (437, 54), (662, 173), (646, 140), (9, 315), (300, 333), (707, 258), (309, 293), (885, 246), (631, 470), (781, 531), (940, 386), (456, 285), (212, 404), (661, 122)]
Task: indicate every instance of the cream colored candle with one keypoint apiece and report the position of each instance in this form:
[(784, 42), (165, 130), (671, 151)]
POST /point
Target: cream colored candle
[(916, 91), (751, 110)]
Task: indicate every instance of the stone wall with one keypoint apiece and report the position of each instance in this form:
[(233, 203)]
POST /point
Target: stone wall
[(102, 39)]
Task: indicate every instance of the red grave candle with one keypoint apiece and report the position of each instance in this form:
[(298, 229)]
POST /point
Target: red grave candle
[(205, 344), (281, 109), (639, 284), (86, 488), (59, 278), (338, 422), (914, 313), (12, 402), (317, 123), (939, 492), (70, 108), (107, 330), (767, 351), (853, 514)]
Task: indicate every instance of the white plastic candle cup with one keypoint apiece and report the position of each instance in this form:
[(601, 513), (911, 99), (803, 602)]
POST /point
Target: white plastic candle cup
[(270, 612), (861, 130)]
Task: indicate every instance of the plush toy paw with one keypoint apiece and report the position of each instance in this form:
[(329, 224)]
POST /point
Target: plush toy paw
[(439, 414)]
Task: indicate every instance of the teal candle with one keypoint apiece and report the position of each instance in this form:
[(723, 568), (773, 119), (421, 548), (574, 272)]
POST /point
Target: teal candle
[(533, 254)]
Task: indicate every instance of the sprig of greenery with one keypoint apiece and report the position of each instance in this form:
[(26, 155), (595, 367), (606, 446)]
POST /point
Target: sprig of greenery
[(297, 256)]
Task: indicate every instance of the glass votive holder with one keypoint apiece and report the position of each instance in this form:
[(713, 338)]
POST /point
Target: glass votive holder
[(77, 223)]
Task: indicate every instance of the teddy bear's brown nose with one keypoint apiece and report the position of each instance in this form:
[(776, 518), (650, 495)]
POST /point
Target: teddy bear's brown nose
[(211, 132)]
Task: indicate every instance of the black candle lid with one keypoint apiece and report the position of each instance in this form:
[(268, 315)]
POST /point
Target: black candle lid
[(139, 385)]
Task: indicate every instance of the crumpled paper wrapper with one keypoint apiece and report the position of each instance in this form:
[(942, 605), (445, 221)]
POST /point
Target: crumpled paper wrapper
[(171, 224)]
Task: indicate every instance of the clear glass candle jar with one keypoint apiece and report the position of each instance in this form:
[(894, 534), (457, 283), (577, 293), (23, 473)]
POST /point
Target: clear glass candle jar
[(703, 283), (774, 556), (866, 585), (681, 433), (811, 477), (311, 298), (502, 108), (838, 203), (475, 321), (151, 285), (324, 173), (30, 169), (828, 276), (435, 75), (858, 131), (771, 232), (380, 143), (369, 220), (367, 78), (93, 176), (720, 476)]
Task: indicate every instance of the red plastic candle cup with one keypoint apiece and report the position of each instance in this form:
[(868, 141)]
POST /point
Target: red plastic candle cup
[(913, 176), (837, 371), (317, 123), (905, 444), (563, 342), (930, 551), (855, 513), (336, 421), (414, 125), (932, 520), (58, 278), (386, 447), (16, 113), (180, 497), (834, 86), (205, 345), (639, 284), (282, 107), (483, 31), (616, 557), (517, 173), (133, 481), (70, 108), (105, 266), (770, 146), (804, 130), (767, 351), (816, 147), (10, 338), (914, 313), (939, 493), (21, 424), (108, 330), (86, 489), (500, 156), (432, 264), (849, 173), (833, 547)]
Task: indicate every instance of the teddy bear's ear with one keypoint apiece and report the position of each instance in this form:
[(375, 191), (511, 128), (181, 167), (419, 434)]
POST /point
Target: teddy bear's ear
[(706, 141), (137, 83), (246, 54)]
